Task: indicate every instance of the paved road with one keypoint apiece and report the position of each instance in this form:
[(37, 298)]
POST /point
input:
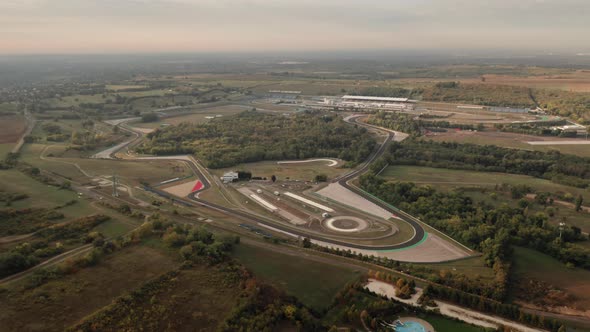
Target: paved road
[(195, 201)]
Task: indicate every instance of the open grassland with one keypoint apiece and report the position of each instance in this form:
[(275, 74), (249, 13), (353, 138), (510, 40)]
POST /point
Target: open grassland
[(41, 195), (11, 128), (508, 140), (447, 179), (62, 302), (298, 171), (200, 298), (472, 267), (118, 87), (578, 81), (199, 116), (5, 148), (129, 172), (314, 283), (530, 264)]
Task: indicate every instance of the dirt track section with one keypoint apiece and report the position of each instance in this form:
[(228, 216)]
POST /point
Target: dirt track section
[(181, 190)]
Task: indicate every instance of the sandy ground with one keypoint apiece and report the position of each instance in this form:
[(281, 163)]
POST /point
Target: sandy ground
[(571, 142), (450, 310), (336, 192), (331, 162), (181, 190)]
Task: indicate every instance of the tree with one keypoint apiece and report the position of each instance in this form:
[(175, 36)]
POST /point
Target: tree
[(150, 117), (306, 243), (579, 201), (321, 178)]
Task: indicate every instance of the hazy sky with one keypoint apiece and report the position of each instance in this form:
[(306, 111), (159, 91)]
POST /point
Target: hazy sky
[(121, 26)]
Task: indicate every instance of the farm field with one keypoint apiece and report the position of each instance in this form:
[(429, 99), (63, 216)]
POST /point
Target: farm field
[(530, 264), (11, 128), (314, 283), (509, 140), (447, 179), (62, 302)]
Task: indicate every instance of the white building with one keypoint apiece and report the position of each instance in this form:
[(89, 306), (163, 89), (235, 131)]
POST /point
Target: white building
[(229, 177)]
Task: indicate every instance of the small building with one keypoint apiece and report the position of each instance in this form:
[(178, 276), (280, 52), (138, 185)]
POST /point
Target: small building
[(229, 177)]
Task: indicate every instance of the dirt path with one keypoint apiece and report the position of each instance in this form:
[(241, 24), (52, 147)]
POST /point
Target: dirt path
[(450, 310), (563, 203), (30, 125)]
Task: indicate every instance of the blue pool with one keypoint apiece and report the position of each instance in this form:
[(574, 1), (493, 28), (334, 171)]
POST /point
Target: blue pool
[(410, 326)]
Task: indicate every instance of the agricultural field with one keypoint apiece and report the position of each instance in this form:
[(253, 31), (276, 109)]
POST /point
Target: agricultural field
[(11, 128), (447, 179), (313, 283), (508, 140), (577, 81)]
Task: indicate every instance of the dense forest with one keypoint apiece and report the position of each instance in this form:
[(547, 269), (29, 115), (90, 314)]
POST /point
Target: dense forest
[(254, 136), (560, 168)]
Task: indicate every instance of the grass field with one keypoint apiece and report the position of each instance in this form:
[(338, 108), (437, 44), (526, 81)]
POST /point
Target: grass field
[(314, 283), (5, 148), (508, 140), (445, 324), (446, 179), (62, 302), (299, 171), (200, 116), (530, 264), (40, 195), (578, 81), (472, 267), (130, 172), (117, 87)]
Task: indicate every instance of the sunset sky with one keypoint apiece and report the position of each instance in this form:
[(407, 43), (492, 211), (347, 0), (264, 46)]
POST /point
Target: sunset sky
[(123, 26)]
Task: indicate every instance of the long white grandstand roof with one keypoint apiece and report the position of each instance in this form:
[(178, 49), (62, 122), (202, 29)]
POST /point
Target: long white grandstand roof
[(382, 99)]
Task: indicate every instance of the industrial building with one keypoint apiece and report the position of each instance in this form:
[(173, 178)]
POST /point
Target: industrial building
[(229, 177), (372, 102)]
